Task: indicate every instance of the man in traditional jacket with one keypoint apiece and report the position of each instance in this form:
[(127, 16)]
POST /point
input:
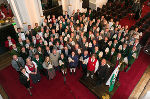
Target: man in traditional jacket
[(39, 61), (111, 54), (92, 65), (132, 57), (9, 42), (15, 50)]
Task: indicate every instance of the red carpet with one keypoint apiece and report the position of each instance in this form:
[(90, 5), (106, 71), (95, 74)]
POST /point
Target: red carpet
[(128, 80), (46, 89)]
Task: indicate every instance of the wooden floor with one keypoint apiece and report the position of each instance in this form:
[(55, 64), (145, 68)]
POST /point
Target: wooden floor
[(5, 60), (142, 87), (101, 90)]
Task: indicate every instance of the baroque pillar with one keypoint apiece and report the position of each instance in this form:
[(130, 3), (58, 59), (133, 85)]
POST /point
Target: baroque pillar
[(70, 5), (27, 12)]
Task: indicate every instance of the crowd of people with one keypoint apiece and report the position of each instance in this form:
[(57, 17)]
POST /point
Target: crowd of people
[(69, 42)]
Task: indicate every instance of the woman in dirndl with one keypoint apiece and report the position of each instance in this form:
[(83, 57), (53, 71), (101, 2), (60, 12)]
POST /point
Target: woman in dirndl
[(31, 68)]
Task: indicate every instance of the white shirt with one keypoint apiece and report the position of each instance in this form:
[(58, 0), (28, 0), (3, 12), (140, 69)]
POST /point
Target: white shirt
[(112, 53), (10, 42), (26, 74)]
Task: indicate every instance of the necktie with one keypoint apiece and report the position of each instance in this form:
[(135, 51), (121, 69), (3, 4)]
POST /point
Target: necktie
[(19, 64), (117, 63)]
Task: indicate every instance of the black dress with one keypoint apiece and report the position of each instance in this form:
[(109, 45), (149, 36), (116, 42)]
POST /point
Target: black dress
[(23, 80)]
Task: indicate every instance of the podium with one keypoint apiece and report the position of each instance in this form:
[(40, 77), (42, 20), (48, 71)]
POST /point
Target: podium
[(101, 90)]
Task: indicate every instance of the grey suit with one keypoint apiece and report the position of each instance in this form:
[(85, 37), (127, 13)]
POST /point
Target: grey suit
[(15, 65)]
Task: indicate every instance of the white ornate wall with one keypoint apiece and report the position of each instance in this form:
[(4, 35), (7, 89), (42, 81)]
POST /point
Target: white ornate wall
[(26, 12), (70, 5)]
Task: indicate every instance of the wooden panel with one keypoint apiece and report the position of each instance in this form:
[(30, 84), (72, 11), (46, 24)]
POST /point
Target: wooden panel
[(85, 4), (3, 93), (5, 60), (57, 11)]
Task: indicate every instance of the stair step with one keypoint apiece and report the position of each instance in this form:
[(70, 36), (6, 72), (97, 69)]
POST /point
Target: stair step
[(140, 87)]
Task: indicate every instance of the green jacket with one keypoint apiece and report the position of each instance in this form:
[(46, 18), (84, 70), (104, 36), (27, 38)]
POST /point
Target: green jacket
[(131, 59), (19, 45), (111, 56), (124, 53), (14, 52), (114, 61), (39, 63)]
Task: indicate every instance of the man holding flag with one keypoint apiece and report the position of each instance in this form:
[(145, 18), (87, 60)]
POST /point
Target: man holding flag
[(101, 72), (112, 78)]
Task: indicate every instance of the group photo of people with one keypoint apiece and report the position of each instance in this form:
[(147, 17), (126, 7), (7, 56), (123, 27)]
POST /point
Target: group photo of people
[(71, 42)]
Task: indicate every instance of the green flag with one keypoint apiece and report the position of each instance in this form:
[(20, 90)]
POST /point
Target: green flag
[(112, 79), (112, 83)]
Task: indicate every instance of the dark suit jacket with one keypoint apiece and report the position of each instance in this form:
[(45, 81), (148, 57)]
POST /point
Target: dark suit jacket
[(23, 79), (102, 71), (66, 54), (46, 53), (24, 55)]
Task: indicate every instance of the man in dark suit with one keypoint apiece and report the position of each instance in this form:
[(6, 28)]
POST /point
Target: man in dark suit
[(77, 15), (116, 60), (124, 51), (101, 72), (66, 51), (138, 46), (15, 50), (90, 14), (83, 58), (47, 51), (17, 63), (66, 16), (111, 54), (103, 44)]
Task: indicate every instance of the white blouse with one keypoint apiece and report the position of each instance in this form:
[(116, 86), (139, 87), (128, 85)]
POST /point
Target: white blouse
[(27, 69)]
